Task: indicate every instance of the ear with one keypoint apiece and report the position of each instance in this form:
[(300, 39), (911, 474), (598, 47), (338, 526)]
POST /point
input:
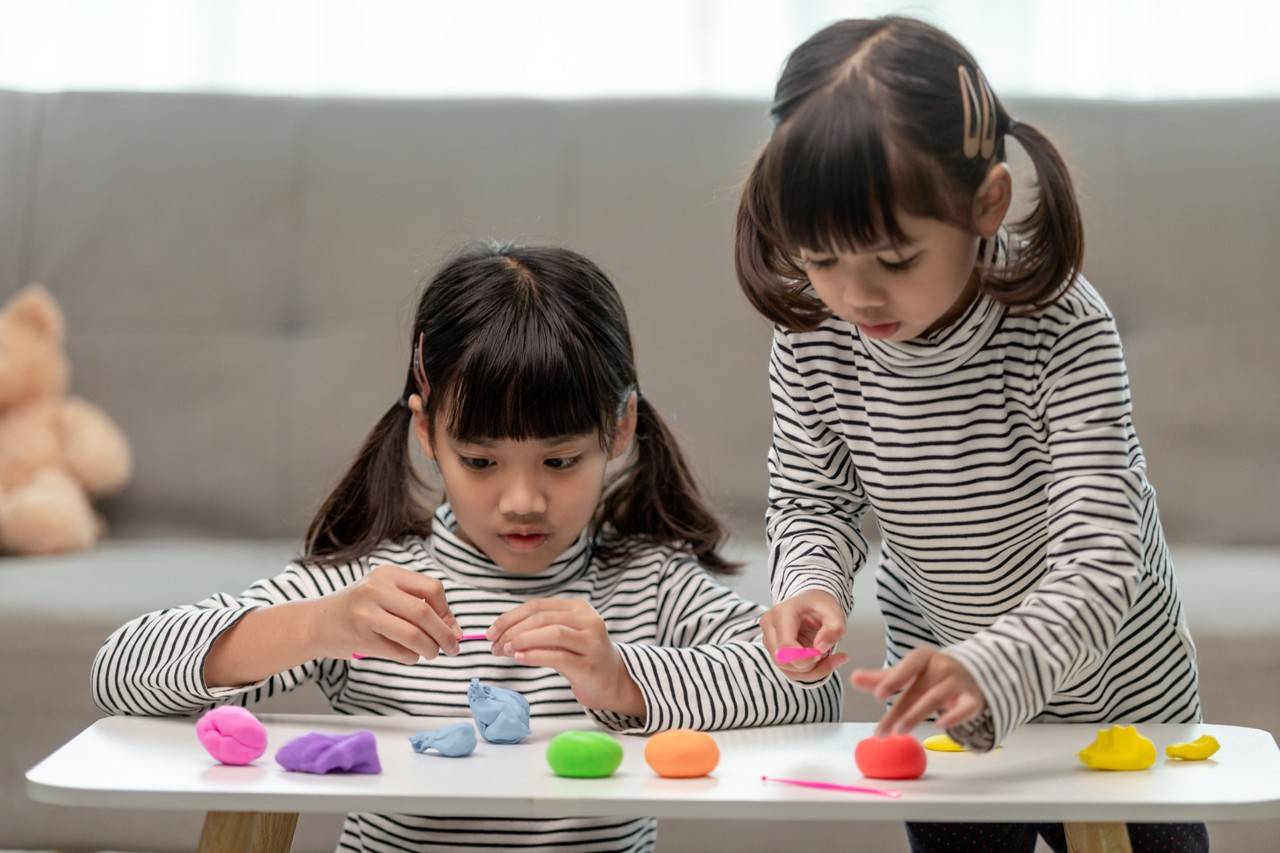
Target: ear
[(420, 430), (991, 201), (625, 432)]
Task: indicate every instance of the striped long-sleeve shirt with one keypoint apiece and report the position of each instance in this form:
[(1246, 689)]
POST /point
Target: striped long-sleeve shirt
[(691, 645), (1019, 530)]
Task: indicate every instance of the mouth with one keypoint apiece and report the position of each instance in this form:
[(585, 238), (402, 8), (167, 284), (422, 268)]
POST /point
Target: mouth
[(879, 330), (524, 541)]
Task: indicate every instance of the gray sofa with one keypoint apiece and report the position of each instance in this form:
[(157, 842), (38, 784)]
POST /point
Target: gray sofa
[(237, 272)]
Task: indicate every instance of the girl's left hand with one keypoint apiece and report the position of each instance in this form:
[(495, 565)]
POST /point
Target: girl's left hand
[(567, 635), (930, 681)]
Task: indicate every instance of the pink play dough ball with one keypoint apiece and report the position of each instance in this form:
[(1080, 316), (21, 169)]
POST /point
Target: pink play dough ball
[(232, 735)]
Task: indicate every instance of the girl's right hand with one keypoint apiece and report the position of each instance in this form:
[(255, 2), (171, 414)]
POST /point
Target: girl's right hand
[(813, 620), (391, 613)]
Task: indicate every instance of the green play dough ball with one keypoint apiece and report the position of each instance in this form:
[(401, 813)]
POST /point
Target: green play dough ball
[(584, 755)]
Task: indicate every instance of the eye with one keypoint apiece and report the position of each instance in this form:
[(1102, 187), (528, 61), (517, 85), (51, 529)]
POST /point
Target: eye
[(562, 463), (818, 263), (899, 266), (475, 463)]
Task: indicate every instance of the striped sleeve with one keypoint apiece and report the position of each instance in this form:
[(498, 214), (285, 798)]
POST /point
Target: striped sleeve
[(1067, 624), (709, 670), (816, 500), (154, 665)]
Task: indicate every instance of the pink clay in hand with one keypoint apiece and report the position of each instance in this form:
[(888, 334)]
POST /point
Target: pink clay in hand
[(790, 654)]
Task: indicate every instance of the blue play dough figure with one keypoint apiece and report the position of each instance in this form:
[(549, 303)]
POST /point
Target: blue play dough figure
[(501, 714), (454, 741)]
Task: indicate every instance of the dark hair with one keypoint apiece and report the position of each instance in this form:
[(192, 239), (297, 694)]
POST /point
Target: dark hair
[(870, 117), (520, 343)]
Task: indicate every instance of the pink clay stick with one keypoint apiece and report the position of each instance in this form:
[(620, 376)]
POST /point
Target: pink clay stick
[(832, 786), (790, 654)]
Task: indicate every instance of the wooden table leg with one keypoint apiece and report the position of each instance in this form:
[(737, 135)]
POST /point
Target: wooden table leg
[(250, 832), (1097, 837)]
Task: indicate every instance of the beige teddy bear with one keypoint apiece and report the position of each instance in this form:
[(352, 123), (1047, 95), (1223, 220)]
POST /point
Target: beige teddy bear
[(55, 451)]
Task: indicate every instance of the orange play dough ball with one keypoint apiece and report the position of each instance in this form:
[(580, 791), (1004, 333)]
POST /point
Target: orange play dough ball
[(682, 754), (892, 757)]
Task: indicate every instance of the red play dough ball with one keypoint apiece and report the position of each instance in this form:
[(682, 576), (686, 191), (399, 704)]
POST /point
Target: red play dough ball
[(892, 757)]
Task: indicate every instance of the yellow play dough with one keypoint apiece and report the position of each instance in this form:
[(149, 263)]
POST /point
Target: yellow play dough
[(1119, 748), (942, 743), (1196, 750)]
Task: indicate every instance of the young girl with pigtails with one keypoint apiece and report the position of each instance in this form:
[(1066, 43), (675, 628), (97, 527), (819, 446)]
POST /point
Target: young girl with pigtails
[(593, 592), (960, 378)]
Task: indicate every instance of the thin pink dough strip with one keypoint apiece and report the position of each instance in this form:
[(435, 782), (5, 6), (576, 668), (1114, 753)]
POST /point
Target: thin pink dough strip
[(832, 786), (790, 654), (464, 638)]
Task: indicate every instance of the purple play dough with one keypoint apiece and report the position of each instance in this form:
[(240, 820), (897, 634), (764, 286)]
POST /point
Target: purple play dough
[(316, 752), (232, 735)]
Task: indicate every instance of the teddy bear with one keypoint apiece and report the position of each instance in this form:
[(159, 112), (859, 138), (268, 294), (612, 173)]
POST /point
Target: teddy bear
[(56, 452)]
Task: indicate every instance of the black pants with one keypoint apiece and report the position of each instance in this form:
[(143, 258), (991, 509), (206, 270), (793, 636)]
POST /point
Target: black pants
[(1021, 837)]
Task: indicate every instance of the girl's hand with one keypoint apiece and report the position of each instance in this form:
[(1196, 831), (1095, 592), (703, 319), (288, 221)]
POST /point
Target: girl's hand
[(567, 635), (930, 681), (391, 613), (812, 620)]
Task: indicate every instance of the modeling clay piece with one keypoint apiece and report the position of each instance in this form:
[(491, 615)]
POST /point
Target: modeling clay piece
[(453, 741), (682, 754), (317, 752), (584, 755), (942, 743), (1119, 748), (501, 714), (232, 735), (1196, 750), (892, 757), (790, 654), (831, 786)]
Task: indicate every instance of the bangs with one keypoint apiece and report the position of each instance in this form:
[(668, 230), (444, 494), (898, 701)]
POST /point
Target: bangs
[(524, 376), (835, 185)]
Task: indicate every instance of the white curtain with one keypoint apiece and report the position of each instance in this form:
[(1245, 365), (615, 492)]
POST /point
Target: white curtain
[(582, 48)]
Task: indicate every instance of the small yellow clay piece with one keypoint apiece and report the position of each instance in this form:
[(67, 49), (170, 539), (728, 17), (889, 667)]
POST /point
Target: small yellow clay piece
[(1196, 750), (942, 743), (1119, 748)]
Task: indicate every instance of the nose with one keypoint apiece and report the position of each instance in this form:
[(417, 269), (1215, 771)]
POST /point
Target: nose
[(861, 295), (522, 495)]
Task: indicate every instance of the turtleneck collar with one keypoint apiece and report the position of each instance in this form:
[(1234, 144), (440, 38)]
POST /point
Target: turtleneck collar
[(950, 347), (471, 566)]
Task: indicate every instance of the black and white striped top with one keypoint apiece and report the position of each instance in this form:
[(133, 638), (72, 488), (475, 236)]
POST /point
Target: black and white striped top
[(1018, 527), (691, 644)]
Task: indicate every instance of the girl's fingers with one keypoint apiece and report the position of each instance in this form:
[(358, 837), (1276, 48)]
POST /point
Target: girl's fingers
[(901, 674), (966, 707), (919, 709), (562, 637), (533, 621), (824, 668), (428, 590), (394, 639), (504, 623), (419, 614), (550, 658), (866, 680)]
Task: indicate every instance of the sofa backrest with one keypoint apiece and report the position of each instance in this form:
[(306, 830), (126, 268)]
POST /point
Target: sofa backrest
[(238, 275)]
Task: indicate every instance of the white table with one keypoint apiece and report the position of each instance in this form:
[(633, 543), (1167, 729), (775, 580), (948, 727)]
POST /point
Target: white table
[(157, 763)]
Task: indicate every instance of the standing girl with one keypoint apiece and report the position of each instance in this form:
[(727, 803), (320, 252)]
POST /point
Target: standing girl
[(966, 384), (521, 386)]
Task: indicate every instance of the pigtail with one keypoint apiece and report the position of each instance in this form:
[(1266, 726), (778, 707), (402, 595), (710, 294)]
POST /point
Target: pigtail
[(769, 277), (1048, 249), (374, 499), (657, 498)]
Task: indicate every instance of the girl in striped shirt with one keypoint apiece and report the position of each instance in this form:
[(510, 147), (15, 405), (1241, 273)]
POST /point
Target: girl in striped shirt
[(592, 590), (964, 382)]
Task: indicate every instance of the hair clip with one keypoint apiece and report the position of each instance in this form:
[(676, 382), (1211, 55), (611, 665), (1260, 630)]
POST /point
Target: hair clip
[(979, 114), (420, 372)]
